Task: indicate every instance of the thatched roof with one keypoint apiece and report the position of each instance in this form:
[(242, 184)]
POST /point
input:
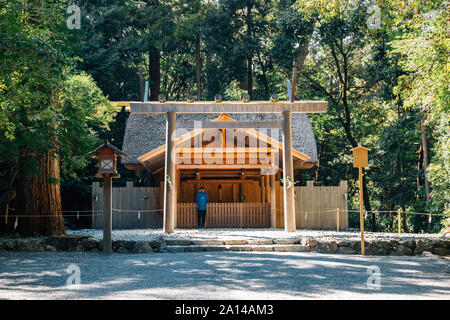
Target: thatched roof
[(146, 132)]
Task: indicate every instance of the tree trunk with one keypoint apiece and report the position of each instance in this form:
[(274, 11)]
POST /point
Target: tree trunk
[(38, 196), (319, 156), (426, 162), (298, 62), (6, 225), (155, 73), (198, 67), (404, 222), (264, 76), (141, 86), (426, 156), (249, 77), (249, 58), (367, 206), (419, 165), (294, 82)]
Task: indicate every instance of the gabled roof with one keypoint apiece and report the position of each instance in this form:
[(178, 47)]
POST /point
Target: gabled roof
[(100, 148), (156, 157), (145, 133)]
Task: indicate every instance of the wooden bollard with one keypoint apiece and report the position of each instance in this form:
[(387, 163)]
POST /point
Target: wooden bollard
[(361, 214), (399, 222), (107, 213), (337, 219)]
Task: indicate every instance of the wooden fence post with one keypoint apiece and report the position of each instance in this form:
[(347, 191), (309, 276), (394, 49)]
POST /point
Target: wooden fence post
[(399, 220), (337, 219), (241, 217), (361, 208)]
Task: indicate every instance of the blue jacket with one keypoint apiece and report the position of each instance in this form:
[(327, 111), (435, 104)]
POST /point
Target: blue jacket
[(201, 199)]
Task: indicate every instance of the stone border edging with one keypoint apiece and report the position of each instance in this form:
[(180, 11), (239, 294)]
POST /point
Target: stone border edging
[(160, 244)]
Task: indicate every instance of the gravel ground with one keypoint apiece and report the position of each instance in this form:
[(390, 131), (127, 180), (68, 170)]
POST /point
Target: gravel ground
[(252, 234), (220, 275)]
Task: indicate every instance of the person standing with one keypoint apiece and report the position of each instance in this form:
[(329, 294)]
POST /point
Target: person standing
[(201, 199)]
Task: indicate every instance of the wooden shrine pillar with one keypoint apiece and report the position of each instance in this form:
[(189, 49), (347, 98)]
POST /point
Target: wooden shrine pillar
[(288, 174), (197, 185), (273, 200), (170, 191), (178, 194), (262, 188)]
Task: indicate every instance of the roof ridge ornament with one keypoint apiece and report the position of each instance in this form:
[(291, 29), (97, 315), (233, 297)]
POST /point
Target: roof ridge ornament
[(161, 98)]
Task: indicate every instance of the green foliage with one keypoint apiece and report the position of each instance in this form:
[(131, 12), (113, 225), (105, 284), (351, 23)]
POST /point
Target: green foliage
[(294, 28), (44, 104), (85, 112), (55, 84), (424, 46)]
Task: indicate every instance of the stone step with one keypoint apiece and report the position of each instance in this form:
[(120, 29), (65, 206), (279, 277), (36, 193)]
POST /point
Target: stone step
[(232, 242), (178, 242), (237, 247)]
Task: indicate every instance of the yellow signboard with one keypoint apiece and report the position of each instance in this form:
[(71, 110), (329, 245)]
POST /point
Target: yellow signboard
[(360, 157)]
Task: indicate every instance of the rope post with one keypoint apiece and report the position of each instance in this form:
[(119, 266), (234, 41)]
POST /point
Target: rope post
[(337, 219), (399, 220)]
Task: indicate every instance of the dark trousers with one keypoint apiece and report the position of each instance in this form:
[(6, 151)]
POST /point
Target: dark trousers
[(201, 217)]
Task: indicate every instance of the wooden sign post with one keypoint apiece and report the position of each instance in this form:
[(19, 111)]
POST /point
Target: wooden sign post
[(360, 160), (107, 156)]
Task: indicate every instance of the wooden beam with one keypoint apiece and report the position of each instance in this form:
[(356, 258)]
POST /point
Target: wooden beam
[(229, 107), (230, 150), (134, 166), (288, 174), (223, 166), (162, 148), (219, 181), (305, 165), (158, 170), (229, 124), (255, 173), (121, 104), (275, 143), (225, 155)]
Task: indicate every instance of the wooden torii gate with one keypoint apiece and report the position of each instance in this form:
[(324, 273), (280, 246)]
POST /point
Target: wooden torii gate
[(283, 107)]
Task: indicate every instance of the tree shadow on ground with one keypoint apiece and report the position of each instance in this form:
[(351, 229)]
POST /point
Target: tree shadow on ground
[(216, 275)]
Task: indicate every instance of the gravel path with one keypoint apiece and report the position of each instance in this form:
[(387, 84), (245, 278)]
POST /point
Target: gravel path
[(252, 234), (220, 275)]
